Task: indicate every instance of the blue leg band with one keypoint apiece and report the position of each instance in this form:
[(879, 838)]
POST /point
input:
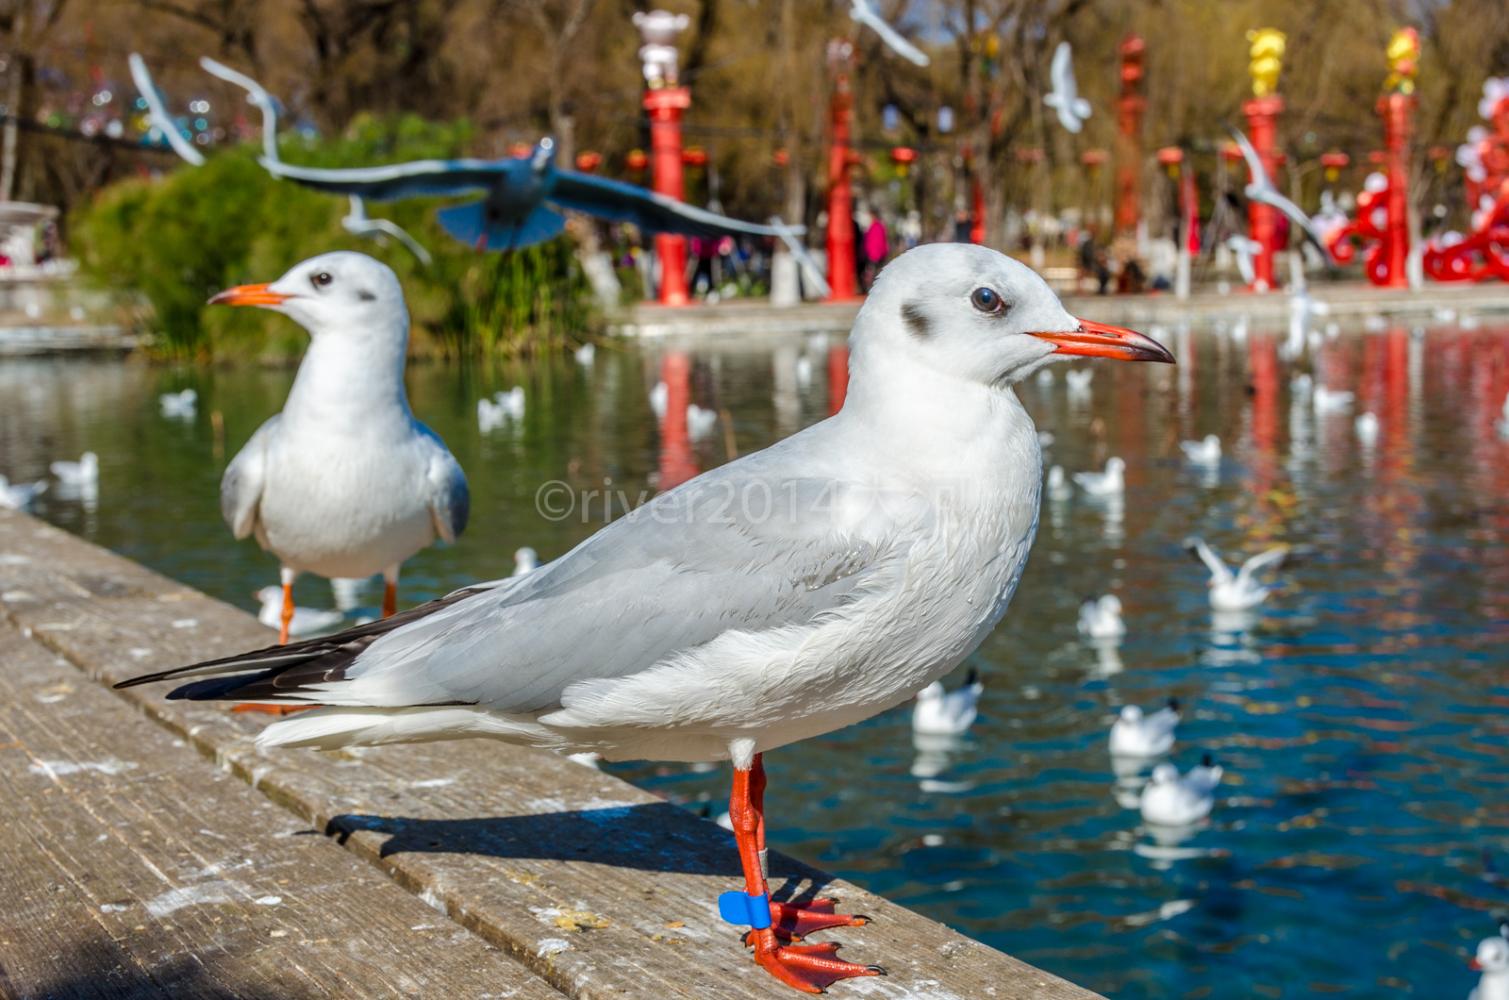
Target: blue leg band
[(744, 910)]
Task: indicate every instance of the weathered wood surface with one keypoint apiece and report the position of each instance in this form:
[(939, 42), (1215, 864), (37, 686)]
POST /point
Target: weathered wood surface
[(131, 866), (596, 886)]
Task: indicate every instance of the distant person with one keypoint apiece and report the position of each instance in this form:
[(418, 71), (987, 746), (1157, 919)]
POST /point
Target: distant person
[(876, 249)]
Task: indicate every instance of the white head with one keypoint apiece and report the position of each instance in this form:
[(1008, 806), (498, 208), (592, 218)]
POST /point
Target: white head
[(933, 692), (270, 596), (341, 293), (525, 559), (1110, 604), (1131, 714), (979, 316), (89, 460), (1165, 774), (1115, 466), (1493, 955)]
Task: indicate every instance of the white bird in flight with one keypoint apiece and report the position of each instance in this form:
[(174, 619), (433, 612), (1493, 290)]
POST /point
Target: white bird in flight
[(179, 405), (1492, 959), (305, 621), (1236, 591), (81, 474), (1064, 98), (1172, 799), (895, 535), (19, 496), (157, 112), (1206, 451), (1139, 734), (863, 13), (1100, 618), (1110, 483), (344, 482), (1260, 189), (939, 712)]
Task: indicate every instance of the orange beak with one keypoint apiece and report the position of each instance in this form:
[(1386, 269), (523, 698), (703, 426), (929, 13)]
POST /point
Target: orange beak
[(1100, 340), (1474, 965), (248, 295)]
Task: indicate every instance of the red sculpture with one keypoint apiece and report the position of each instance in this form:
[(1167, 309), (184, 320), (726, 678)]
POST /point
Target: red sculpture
[(1370, 227), (1483, 253), (1129, 109)]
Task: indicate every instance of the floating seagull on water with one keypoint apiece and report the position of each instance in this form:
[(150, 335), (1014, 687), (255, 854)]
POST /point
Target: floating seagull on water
[(1064, 98), (305, 621), (1206, 451), (947, 713), (680, 633), (180, 404), (863, 13), (1135, 734), (1367, 429), (344, 482), (1100, 618), (19, 496), (1078, 380), (525, 560), (1260, 189), (1237, 591), (804, 371), (1110, 483), (81, 474), (659, 395), (1331, 400), (502, 407), (157, 112), (1045, 378), (585, 354), (1492, 959), (1171, 799)]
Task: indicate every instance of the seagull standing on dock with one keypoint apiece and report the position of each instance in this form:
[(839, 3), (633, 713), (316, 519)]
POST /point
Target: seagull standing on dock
[(344, 482), (688, 630), (1236, 591)]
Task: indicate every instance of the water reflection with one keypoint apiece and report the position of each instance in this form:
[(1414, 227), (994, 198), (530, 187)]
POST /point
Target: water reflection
[(1362, 711)]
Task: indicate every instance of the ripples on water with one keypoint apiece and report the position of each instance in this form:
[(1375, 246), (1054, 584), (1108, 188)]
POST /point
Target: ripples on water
[(1361, 714)]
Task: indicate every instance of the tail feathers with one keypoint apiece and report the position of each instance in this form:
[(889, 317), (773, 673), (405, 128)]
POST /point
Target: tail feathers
[(333, 728), (474, 225)]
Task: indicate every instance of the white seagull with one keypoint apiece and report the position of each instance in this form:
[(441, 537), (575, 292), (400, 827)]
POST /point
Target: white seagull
[(81, 474), (305, 621), (1078, 380), (585, 354), (1136, 734), (1059, 489), (1237, 591), (179, 405), (157, 112), (700, 422), (947, 713), (19, 496), (1492, 959), (688, 630), (1260, 189), (1328, 400), (344, 482), (1367, 429), (1064, 98), (863, 13), (1171, 799), (1206, 451), (1100, 618), (1110, 483), (525, 560)]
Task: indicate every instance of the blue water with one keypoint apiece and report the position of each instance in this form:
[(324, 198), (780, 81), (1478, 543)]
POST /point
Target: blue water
[(1361, 715)]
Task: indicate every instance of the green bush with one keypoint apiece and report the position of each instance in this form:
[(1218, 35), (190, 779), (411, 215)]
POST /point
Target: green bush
[(179, 239)]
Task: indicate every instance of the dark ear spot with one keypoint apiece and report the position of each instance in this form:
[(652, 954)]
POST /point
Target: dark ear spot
[(365, 295), (915, 318)]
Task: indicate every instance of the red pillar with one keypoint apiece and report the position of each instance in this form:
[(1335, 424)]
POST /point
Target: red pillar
[(678, 461), (1262, 119), (1396, 110), (1129, 109), (841, 280), (665, 106)]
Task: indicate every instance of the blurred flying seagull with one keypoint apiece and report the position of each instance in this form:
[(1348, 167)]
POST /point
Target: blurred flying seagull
[(523, 198), (157, 112), (863, 13), (1260, 189), (356, 221), (1236, 591), (1064, 97)]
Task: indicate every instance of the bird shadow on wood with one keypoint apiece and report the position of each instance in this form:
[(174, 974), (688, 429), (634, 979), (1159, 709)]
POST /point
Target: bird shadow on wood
[(655, 836)]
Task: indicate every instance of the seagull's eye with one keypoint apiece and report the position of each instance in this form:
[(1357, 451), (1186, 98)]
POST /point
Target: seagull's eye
[(987, 300), (321, 279)]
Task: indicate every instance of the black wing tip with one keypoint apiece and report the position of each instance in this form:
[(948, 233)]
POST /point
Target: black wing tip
[(973, 677), (1173, 703)]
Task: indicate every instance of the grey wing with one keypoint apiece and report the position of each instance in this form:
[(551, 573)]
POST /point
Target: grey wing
[(450, 500), (861, 11), (241, 486), (620, 202), (157, 112), (396, 180)]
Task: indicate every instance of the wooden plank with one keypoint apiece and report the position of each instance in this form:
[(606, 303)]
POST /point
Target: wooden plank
[(599, 887), (134, 867)]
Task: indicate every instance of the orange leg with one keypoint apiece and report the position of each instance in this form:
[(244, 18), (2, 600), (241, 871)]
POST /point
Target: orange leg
[(810, 968), (286, 619), (390, 599)]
